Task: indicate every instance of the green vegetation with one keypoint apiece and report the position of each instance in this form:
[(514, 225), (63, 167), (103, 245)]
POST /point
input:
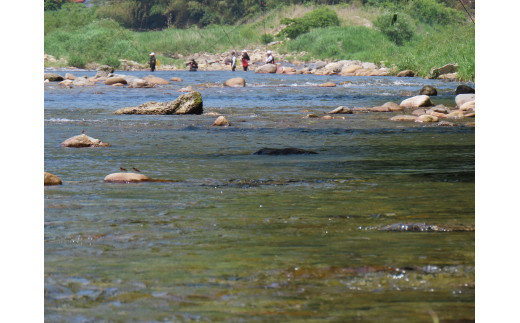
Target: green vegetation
[(430, 34), (319, 18)]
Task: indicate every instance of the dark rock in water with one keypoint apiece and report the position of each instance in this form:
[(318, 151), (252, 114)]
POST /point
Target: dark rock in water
[(283, 151), (413, 227), (53, 77), (428, 90), (464, 89)]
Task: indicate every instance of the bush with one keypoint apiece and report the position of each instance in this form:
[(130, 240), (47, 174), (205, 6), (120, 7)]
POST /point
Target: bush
[(396, 26), (319, 18), (266, 38), (77, 61), (431, 12)]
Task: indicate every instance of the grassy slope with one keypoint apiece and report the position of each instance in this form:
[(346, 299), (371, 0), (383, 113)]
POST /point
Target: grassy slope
[(105, 42)]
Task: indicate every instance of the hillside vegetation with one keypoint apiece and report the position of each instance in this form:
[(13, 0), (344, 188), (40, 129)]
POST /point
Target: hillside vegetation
[(416, 35)]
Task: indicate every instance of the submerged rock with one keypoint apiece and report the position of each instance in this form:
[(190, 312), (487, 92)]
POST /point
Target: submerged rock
[(327, 84), (341, 110), (188, 103), (115, 79), (413, 227), (428, 90), (126, 178), (82, 141), (283, 151), (235, 82), (51, 179)]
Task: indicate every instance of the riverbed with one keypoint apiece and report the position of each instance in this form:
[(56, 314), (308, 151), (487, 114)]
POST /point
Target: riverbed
[(238, 237)]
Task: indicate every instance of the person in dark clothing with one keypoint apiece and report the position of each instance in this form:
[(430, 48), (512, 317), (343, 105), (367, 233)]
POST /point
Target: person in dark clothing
[(193, 65), (152, 61), (245, 60)]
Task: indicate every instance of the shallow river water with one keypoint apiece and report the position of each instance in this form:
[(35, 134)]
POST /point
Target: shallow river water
[(238, 237)]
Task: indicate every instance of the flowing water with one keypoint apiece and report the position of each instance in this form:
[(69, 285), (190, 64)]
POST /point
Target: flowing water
[(238, 237)]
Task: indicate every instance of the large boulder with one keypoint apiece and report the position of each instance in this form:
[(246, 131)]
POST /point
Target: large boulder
[(50, 179), (53, 77), (446, 69), (139, 83), (418, 101), (464, 89), (188, 103), (104, 70), (126, 178), (82, 141), (235, 82), (267, 68), (463, 98)]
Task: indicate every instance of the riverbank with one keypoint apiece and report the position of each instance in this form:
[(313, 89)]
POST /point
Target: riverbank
[(285, 64)]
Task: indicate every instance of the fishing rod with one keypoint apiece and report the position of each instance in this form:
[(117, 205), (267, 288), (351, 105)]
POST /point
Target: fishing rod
[(463, 6)]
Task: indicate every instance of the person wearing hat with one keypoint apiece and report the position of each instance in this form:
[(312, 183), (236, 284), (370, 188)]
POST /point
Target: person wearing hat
[(245, 60), (270, 58), (152, 61)]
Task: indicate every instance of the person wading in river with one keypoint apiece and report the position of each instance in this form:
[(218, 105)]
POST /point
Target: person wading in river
[(270, 58), (152, 61), (233, 61), (245, 60)]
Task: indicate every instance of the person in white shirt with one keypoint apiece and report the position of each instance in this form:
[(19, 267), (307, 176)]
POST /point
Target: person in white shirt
[(233, 61), (270, 58)]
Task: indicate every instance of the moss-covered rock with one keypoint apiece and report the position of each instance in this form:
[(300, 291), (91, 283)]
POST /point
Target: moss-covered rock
[(188, 103)]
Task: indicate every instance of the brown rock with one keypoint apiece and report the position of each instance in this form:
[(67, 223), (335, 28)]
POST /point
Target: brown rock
[(186, 89), (176, 79), (426, 118), (115, 79), (221, 121), (155, 80), (406, 73), (82, 141), (393, 106), (126, 178), (188, 103), (267, 68), (51, 179), (235, 82), (327, 84), (456, 114), (403, 118), (468, 106), (418, 101)]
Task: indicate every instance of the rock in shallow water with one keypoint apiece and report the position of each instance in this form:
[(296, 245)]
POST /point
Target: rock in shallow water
[(283, 151), (82, 141), (126, 178), (188, 103), (51, 179)]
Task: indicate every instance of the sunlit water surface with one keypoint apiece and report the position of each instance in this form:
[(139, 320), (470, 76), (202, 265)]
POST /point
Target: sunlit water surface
[(238, 237)]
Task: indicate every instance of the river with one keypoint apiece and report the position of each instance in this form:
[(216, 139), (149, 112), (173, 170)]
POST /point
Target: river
[(239, 237)]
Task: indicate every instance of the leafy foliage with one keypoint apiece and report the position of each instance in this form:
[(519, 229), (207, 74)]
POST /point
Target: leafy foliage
[(398, 27), (319, 18)]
